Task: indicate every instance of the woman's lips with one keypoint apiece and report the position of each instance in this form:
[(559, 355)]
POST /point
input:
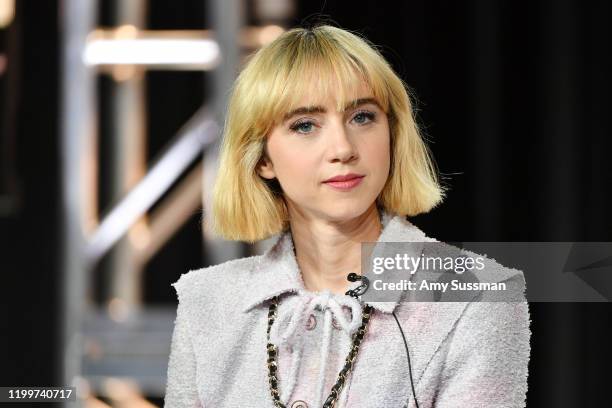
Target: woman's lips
[(345, 185)]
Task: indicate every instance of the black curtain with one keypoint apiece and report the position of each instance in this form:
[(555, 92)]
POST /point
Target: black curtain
[(514, 97)]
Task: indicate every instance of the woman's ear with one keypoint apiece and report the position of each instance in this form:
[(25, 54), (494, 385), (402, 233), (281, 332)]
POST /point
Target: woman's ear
[(265, 168)]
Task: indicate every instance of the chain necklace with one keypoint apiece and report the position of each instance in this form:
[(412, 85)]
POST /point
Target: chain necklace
[(348, 364)]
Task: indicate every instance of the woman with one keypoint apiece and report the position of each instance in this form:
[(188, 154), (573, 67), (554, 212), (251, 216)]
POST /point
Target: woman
[(321, 146)]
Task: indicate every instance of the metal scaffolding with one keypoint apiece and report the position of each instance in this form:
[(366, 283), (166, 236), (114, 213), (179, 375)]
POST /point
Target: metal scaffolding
[(93, 337)]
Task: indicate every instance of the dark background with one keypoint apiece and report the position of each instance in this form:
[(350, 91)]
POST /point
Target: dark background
[(514, 97)]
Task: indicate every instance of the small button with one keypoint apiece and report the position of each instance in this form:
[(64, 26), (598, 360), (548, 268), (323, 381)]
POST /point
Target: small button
[(311, 323), (299, 404)]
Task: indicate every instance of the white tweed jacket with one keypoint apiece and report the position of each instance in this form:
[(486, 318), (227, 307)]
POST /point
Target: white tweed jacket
[(463, 354)]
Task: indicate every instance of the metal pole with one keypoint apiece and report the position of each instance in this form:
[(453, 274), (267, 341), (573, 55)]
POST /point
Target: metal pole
[(129, 144), (227, 19), (78, 158)]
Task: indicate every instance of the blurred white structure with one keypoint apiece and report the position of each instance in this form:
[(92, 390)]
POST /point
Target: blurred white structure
[(124, 339)]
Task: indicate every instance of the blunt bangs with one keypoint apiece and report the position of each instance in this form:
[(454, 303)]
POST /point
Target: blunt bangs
[(312, 63)]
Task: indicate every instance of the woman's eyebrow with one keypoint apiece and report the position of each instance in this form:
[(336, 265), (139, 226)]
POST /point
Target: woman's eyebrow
[(320, 109), (302, 110), (361, 101)]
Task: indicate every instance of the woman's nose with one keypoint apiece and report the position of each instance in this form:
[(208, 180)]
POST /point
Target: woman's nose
[(341, 147)]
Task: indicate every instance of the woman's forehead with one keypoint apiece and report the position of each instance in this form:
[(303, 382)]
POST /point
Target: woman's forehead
[(335, 96), (333, 88)]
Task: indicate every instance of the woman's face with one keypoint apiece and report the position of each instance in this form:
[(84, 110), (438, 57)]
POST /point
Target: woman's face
[(312, 145)]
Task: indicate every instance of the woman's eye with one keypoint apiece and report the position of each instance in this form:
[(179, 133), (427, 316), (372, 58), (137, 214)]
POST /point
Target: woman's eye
[(302, 126), (364, 117)]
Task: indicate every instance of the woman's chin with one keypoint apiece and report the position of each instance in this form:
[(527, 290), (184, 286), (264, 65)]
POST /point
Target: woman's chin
[(344, 213)]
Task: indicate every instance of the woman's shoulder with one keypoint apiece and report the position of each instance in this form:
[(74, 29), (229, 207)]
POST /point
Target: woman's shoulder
[(215, 281)]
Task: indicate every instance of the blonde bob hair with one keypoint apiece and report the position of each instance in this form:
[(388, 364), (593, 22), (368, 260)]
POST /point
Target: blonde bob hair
[(306, 61)]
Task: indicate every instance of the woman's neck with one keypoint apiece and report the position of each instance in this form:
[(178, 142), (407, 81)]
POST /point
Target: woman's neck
[(327, 252)]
